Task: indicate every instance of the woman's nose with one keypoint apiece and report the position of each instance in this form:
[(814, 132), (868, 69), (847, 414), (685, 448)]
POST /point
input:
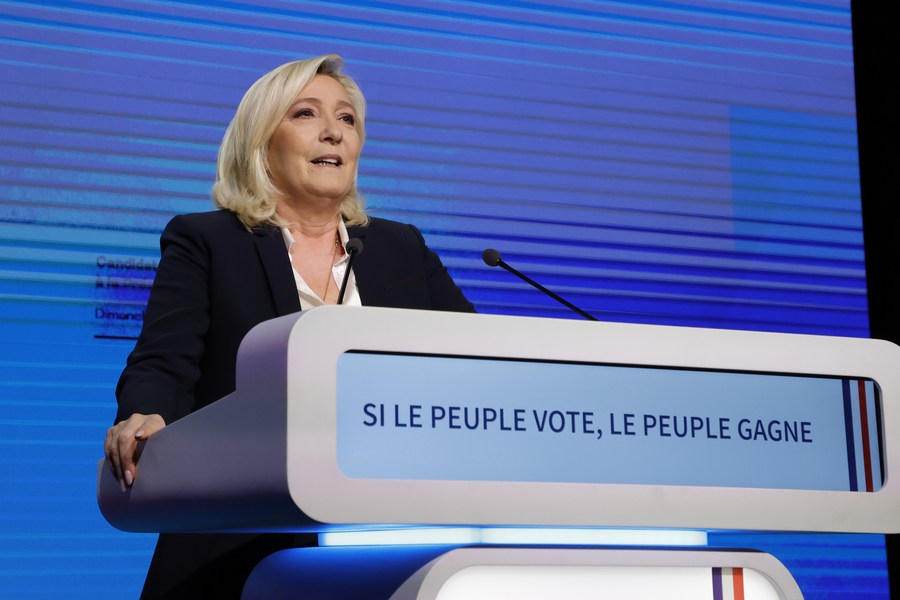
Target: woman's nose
[(331, 131)]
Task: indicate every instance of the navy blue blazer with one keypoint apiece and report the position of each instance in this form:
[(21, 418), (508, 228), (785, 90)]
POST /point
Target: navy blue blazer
[(216, 281)]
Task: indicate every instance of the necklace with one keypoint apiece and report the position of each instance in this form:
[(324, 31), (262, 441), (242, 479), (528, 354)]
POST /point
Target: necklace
[(337, 244)]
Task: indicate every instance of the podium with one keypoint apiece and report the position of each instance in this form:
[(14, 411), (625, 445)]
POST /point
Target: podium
[(366, 418)]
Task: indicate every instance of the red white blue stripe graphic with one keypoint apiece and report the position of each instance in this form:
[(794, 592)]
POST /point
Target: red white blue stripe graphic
[(728, 583), (862, 416)]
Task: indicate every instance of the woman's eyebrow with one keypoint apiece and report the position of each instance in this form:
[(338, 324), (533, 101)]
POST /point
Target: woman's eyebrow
[(310, 100), (318, 102)]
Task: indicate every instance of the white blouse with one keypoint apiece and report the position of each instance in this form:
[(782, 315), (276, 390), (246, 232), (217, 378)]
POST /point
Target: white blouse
[(308, 298)]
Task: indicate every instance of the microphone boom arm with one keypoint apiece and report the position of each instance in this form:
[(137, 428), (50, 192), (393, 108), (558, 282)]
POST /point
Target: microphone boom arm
[(493, 259)]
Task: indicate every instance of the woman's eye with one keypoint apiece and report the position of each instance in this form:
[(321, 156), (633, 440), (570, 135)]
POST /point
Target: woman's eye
[(349, 119), (303, 112)]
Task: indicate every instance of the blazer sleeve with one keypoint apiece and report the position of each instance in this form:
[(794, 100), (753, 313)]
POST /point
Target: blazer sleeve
[(443, 291), (164, 367), (396, 269)]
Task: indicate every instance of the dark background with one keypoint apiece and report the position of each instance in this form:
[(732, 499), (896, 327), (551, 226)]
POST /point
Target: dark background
[(876, 54)]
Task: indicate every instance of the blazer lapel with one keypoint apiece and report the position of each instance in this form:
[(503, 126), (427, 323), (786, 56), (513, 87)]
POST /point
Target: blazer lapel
[(277, 265)]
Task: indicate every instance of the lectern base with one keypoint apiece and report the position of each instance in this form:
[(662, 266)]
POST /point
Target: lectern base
[(474, 573)]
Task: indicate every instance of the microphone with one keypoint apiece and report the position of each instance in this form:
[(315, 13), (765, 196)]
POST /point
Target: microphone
[(354, 247), (492, 258)]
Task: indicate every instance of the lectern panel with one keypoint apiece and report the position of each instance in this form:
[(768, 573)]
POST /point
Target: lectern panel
[(529, 420), (624, 425)]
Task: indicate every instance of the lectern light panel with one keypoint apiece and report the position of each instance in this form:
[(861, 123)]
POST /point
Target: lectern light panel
[(474, 573), (529, 420)]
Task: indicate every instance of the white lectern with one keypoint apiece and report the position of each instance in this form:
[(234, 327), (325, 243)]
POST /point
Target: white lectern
[(360, 416)]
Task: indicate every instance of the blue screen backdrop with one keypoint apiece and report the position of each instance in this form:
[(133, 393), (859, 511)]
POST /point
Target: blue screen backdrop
[(688, 163)]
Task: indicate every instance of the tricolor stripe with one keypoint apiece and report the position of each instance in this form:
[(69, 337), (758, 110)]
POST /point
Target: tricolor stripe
[(861, 423), (728, 583), (864, 420), (848, 428)]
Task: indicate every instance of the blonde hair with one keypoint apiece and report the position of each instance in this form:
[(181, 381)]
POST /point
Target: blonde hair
[(243, 184)]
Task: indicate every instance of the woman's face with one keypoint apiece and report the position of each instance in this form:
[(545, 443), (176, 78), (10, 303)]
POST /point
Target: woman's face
[(314, 152)]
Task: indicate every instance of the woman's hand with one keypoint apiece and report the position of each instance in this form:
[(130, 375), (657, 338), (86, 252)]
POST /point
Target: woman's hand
[(122, 445)]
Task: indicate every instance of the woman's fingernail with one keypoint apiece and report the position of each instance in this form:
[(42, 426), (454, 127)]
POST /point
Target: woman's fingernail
[(139, 433), (129, 479)]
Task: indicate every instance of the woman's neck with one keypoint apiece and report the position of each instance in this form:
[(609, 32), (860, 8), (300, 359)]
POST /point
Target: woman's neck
[(308, 221)]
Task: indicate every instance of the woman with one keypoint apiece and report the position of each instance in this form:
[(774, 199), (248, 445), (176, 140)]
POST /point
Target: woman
[(286, 189)]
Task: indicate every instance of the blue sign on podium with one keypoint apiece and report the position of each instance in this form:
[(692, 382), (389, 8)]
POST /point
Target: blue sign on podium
[(403, 416)]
